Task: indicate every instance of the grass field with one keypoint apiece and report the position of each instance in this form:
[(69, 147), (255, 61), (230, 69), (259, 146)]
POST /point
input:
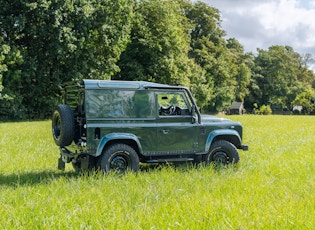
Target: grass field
[(271, 188)]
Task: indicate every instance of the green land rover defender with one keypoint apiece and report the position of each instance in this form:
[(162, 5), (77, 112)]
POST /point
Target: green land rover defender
[(115, 125)]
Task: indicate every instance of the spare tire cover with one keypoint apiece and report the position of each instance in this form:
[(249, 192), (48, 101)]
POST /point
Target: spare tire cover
[(63, 125)]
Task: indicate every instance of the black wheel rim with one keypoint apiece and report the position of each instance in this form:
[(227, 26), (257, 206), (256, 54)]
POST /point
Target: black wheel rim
[(220, 158), (120, 162)]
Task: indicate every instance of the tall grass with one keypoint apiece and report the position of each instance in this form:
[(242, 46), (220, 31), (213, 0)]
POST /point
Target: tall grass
[(272, 187)]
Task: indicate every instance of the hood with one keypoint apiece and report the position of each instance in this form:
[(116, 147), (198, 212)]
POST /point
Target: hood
[(210, 118)]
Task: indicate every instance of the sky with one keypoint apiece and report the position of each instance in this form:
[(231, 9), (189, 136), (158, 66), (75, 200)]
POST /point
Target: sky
[(263, 23)]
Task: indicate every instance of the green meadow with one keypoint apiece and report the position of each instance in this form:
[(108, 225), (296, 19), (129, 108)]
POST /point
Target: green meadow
[(272, 187)]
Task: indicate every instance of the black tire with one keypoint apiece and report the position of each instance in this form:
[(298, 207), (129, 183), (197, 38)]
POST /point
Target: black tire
[(63, 125), (222, 153), (119, 158)]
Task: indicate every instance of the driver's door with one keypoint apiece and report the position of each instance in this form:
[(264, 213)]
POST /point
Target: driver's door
[(176, 134)]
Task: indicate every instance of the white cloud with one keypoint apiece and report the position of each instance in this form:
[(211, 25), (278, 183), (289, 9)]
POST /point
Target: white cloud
[(261, 24)]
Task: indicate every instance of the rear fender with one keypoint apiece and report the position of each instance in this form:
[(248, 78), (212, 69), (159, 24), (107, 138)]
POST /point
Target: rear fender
[(115, 137), (224, 134)]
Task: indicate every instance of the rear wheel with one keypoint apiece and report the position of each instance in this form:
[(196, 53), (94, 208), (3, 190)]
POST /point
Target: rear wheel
[(222, 153), (63, 125), (119, 158)]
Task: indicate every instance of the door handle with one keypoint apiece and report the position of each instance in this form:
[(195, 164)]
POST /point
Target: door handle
[(165, 131)]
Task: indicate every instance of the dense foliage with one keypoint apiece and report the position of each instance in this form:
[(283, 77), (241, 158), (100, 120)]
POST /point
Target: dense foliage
[(279, 76), (46, 43)]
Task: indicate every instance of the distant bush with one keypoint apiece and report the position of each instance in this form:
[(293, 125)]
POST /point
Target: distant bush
[(263, 110)]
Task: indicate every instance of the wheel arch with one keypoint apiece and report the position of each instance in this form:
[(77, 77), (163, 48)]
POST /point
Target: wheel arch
[(114, 138), (224, 134)]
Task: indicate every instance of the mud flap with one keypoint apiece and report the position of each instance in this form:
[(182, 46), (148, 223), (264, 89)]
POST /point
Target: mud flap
[(85, 163), (61, 164)]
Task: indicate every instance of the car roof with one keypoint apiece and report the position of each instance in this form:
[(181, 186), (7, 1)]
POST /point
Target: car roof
[(100, 84)]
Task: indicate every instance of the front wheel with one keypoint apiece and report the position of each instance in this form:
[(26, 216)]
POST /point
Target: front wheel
[(119, 158), (222, 153)]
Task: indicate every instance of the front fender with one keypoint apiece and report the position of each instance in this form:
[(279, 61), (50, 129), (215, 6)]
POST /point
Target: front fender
[(116, 136), (224, 134)]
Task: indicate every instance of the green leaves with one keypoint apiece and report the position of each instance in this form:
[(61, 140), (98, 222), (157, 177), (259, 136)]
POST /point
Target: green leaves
[(305, 99), (226, 75), (279, 75), (46, 43), (59, 41), (159, 45)]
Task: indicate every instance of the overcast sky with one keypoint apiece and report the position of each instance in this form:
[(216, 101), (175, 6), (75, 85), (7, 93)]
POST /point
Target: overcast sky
[(263, 23)]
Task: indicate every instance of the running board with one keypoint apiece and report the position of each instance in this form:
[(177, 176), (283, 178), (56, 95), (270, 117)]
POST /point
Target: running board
[(165, 160)]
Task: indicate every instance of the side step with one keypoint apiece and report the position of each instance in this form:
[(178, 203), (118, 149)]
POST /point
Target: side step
[(165, 160)]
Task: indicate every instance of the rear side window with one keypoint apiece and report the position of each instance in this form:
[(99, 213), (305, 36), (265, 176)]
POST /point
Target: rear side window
[(113, 103)]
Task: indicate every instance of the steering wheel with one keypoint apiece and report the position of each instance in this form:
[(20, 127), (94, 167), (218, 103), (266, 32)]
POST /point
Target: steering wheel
[(172, 110)]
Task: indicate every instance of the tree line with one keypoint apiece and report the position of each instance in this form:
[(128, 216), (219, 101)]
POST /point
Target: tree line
[(48, 42)]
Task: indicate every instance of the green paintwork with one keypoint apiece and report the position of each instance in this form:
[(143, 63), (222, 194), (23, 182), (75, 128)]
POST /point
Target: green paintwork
[(120, 111)]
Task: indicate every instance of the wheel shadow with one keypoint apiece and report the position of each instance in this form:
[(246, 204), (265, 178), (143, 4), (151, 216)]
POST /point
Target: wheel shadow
[(187, 166), (33, 178), (182, 166), (46, 177)]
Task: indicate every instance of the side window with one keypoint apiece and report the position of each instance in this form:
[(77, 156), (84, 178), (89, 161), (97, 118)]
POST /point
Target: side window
[(143, 104), (113, 103), (172, 104)]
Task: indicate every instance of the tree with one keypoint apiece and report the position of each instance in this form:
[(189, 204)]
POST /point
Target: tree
[(159, 45), (305, 99), (4, 50), (306, 76), (275, 77), (60, 41), (223, 62), (242, 62), (10, 58)]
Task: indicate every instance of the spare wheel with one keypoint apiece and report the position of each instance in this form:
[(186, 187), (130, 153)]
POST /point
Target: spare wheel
[(63, 125)]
